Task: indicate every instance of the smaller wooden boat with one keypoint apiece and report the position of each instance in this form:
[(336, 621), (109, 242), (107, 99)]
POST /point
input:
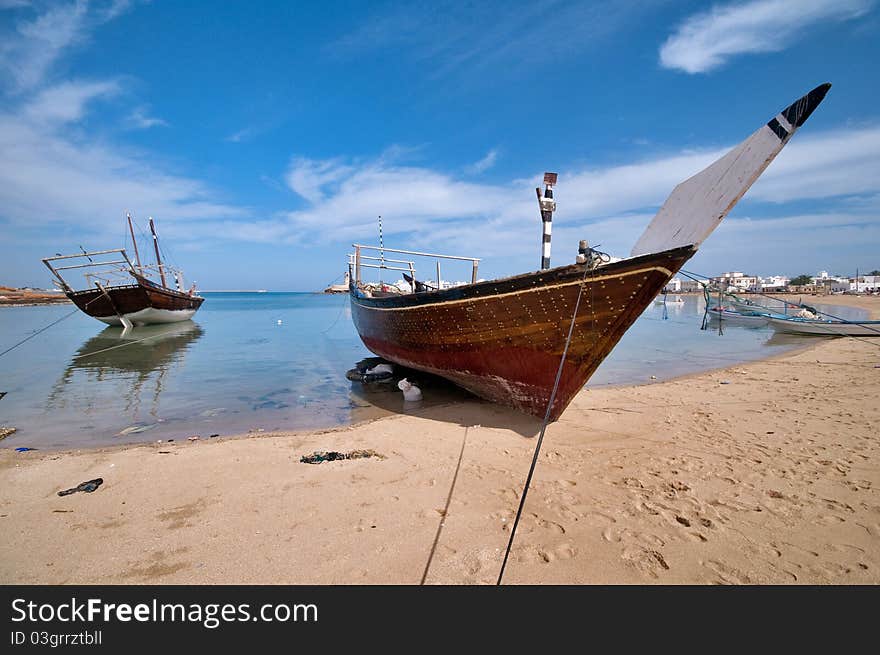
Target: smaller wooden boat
[(123, 294), (824, 328)]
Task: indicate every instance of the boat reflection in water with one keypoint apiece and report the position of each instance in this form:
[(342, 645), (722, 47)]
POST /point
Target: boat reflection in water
[(131, 365)]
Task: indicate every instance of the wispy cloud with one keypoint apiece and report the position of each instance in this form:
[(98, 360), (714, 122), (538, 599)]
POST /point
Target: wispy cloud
[(30, 49), (140, 119), (48, 178), (245, 134), (707, 40), (485, 163), (54, 171), (450, 37), (610, 204), (67, 102)]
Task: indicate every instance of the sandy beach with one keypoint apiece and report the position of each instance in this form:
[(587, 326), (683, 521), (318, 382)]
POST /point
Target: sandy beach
[(761, 473)]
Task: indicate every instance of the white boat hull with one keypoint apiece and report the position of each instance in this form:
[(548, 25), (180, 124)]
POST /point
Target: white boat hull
[(150, 315), (826, 328), (735, 318)]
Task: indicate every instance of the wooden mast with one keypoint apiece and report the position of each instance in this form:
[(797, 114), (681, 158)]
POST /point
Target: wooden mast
[(156, 247), (134, 242)]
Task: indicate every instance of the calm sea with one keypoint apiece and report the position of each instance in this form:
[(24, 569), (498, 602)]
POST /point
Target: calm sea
[(267, 361)]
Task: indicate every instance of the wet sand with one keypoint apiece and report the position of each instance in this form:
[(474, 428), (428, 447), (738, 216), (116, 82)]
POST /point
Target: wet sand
[(762, 473)]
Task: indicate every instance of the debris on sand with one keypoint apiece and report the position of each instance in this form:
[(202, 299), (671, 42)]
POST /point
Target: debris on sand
[(331, 456), (88, 487)]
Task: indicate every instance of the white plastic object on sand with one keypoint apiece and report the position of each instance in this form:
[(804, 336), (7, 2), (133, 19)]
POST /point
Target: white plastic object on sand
[(410, 391)]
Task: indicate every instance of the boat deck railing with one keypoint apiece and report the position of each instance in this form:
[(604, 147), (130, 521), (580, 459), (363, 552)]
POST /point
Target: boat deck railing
[(357, 261), (112, 268), (109, 271)]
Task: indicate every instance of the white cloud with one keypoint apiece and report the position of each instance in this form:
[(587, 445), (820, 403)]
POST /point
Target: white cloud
[(67, 102), (242, 135), (452, 37), (705, 41), (609, 205), (48, 178), (836, 241), (485, 163), (308, 177), (55, 172), (30, 51), (140, 119), (834, 163), (30, 48)]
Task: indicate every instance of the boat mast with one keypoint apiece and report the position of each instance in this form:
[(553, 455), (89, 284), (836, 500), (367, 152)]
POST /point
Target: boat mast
[(156, 247), (547, 205), (134, 242)]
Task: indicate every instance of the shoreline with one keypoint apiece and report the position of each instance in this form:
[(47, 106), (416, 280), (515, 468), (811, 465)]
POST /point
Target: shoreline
[(772, 478)]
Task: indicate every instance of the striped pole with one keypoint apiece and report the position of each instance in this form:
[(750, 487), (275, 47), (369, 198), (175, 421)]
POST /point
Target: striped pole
[(381, 243), (547, 205), (381, 251)]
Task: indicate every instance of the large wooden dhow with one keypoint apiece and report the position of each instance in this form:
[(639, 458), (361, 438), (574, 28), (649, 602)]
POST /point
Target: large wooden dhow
[(120, 292), (504, 339)]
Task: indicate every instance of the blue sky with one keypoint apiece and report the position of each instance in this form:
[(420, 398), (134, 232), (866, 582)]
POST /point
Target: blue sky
[(265, 138)]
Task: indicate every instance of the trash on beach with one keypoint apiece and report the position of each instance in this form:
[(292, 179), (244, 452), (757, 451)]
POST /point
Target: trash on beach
[(87, 487), (372, 369), (134, 429), (331, 456), (194, 437), (411, 392), (23, 449), (6, 431), (725, 381)]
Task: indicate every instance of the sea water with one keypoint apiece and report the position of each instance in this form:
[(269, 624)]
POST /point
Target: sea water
[(258, 362)]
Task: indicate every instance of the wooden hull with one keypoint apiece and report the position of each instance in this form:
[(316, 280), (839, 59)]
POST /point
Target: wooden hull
[(503, 339), (139, 303)]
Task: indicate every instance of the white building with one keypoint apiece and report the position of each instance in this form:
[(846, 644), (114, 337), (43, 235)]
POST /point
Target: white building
[(737, 281), (774, 283), (865, 284), (674, 285)]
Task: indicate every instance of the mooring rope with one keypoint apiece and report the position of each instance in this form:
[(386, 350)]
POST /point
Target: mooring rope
[(445, 509), (28, 338), (525, 492)]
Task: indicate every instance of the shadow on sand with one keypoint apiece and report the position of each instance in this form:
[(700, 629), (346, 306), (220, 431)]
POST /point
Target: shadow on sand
[(441, 401)]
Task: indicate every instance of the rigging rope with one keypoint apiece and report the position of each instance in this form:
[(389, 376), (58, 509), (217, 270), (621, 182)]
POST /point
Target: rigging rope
[(694, 277), (48, 326), (28, 338), (445, 508), (525, 492)]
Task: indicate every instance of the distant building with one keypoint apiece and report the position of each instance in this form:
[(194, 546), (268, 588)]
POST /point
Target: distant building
[(774, 283), (824, 283), (736, 281), (865, 284), (674, 285)]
